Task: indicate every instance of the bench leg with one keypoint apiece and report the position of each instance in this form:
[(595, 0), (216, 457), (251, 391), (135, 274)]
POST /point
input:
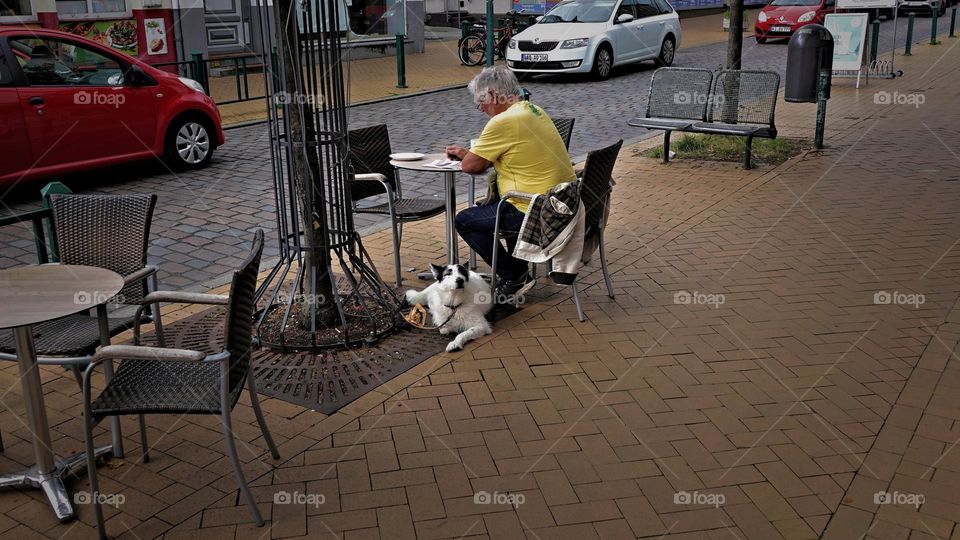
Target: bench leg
[(666, 146), (747, 151)]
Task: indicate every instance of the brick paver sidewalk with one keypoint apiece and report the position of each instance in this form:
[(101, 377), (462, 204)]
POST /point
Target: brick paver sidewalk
[(805, 375)]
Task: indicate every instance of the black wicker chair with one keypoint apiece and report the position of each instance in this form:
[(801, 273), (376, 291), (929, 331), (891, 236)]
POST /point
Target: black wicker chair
[(373, 175), (595, 189), (154, 380), (107, 231)]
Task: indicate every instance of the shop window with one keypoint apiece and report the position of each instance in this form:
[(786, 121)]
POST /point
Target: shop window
[(15, 8), (84, 7)]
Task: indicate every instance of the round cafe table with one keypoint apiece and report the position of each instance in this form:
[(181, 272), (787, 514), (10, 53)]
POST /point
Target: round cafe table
[(450, 192), (31, 295)]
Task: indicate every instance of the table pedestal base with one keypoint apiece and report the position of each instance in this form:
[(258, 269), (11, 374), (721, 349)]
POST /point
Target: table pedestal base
[(52, 483)]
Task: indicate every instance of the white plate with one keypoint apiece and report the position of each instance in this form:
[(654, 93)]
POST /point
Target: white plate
[(406, 156)]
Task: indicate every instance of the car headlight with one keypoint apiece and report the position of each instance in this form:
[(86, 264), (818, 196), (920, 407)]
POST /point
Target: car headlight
[(762, 17), (512, 44), (807, 17), (575, 43), (192, 84)]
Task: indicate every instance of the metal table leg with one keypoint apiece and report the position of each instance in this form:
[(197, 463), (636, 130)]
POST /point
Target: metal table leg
[(471, 200), (453, 255), (46, 474)]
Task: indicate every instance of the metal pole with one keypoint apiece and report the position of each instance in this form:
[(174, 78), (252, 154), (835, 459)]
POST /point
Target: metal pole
[(933, 27), (489, 33), (401, 66), (953, 21), (874, 42), (822, 83), (909, 46)]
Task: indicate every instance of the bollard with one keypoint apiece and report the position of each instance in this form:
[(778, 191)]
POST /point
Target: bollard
[(933, 27), (463, 28), (953, 21), (906, 50), (822, 86), (874, 42), (490, 39), (198, 70), (401, 66)]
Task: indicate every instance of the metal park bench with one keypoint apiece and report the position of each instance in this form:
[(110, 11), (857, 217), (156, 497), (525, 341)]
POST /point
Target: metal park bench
[(730, 102)]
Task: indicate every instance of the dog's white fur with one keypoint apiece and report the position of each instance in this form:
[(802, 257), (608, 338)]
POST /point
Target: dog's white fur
[(471, 294)]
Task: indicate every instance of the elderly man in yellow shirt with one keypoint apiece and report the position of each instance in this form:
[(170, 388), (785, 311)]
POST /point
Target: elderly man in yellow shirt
[(522, 144)]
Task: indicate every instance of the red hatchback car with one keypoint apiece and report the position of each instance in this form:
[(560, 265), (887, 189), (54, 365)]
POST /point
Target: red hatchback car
[(781, 18), (68, 104)]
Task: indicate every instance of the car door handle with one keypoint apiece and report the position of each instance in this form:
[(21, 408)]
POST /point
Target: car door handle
[(36, 101)]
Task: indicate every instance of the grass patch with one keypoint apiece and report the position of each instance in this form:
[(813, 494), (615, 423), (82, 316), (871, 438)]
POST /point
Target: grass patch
[(726, 148)]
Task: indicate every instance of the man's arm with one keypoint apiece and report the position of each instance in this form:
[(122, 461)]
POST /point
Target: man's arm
[(471, 163)]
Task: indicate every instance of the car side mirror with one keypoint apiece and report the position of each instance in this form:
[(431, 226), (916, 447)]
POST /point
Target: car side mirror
[(624, 18), (136, 75), (539, 18)]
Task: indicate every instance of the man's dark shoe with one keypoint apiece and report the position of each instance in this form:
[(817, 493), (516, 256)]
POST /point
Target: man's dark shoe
[(509, 291)]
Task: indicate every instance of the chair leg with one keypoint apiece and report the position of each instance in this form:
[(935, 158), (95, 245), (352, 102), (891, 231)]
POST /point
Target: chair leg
[(603, 267), (255, 403), (747, 151), (396, 250), (144, 447), (92, 456), (471, 201), (666, 146), (155, 313), (576, 300), (235, 461), (77, 375), (1, 442), (496, 242)]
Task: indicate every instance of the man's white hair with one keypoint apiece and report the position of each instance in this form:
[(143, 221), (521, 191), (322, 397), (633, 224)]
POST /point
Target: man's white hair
[(496, 80)]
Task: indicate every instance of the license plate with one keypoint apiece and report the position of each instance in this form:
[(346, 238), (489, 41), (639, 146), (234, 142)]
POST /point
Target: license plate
[(780, 29), (533, 58)]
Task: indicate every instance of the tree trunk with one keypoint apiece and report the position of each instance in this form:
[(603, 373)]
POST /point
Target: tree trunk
[(735, 37), (305, 166)]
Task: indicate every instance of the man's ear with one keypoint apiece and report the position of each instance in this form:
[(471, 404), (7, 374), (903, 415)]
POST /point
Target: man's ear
[(465, 271), (437, 271)]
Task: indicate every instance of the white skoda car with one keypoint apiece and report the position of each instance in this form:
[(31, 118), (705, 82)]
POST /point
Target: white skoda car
[(593, 36)]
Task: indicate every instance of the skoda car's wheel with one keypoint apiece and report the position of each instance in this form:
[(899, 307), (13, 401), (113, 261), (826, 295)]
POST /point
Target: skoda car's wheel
[(603, 63), (667, 51)]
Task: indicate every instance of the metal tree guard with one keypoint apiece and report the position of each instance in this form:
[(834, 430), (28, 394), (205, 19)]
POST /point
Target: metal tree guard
[(335, 296)]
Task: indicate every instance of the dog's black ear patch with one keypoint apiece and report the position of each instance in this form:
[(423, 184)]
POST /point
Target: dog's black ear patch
[(437, 271), (464, 271)]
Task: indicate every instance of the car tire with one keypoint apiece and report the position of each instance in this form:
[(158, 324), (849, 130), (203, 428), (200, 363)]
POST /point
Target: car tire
[(602, 63), (190, 144), (668, 51), (761, 40)]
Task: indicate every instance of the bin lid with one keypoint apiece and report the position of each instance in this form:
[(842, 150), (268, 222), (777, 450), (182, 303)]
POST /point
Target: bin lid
[(811, 34)]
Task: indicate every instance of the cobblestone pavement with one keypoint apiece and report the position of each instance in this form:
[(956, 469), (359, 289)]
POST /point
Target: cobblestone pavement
[(767, 370), (204, 217)]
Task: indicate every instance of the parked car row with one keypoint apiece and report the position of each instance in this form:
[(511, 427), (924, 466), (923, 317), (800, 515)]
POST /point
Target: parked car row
[(68, 104)]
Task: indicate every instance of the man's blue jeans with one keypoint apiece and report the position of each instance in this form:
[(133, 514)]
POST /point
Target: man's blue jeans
[(475, 226)]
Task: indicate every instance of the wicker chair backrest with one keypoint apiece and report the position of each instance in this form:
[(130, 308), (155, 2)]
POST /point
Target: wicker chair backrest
[(370, 153), (595, 185), (238, 326), (107, 231), (565, 128)]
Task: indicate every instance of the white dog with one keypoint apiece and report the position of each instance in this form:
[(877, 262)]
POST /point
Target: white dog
[(457, 303)]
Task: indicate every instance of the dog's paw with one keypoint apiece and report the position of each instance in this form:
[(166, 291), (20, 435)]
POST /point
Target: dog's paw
[(453, 346)]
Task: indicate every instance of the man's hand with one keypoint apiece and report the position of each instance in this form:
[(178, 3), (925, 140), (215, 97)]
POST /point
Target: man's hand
[(456, 152)]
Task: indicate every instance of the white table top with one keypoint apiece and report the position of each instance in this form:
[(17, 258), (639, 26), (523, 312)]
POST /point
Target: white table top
[(423, 164), (38, 293)]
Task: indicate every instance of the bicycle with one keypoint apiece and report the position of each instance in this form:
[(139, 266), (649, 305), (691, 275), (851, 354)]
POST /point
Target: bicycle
[(472, 48)]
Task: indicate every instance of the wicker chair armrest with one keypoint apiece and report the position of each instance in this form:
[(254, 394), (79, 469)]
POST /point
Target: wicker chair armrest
[(371, 176), (137, 352), (142, 273), (182, 297), (518, 195)]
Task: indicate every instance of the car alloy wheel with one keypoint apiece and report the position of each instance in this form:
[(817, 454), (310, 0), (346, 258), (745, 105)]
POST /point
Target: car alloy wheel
[(603, 63), (192, 143), (667, 51)]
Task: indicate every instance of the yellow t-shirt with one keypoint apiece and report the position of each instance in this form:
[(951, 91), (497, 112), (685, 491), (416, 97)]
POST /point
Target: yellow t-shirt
[(526, 150)]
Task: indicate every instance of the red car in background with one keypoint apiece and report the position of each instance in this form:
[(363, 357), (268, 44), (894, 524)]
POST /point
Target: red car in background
[(781, 18), (68, 104)]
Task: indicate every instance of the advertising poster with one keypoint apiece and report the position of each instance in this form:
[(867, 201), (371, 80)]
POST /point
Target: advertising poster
[(118, 35), (156, 35), (849, 31)]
